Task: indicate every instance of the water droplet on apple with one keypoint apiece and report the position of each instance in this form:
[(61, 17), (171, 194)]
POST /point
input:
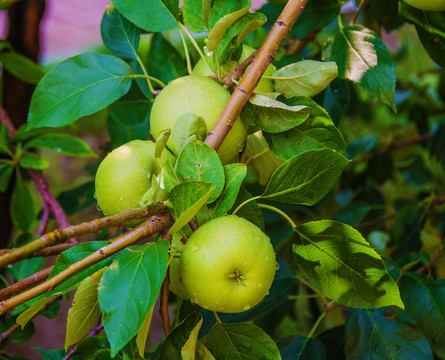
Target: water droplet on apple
[(247, 307), (277, 266), (95, 196), (121, 198), (267, 292)]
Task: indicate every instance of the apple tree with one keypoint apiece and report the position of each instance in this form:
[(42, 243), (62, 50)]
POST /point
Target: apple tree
[(267, 182)]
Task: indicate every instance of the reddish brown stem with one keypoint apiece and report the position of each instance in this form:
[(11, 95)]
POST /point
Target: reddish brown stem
[(360, 8), (432, 262), (149, 227), (266, 53), (239, 70), (164, 304), (8, 332), (25, 283), (375, 222)]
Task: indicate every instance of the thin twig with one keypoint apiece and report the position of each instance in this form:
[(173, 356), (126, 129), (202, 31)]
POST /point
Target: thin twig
[(360, 8), (7, 333), (5, 119), (147, 228), (164, 304), (239, 70), (375, 222), (44, 220), (59, 235), (252, 76), (48, 197), (25, 283), (411, 142), (431, 262), (298, 45)]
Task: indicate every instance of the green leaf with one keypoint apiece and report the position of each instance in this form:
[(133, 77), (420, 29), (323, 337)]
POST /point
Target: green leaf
[(197, 161), (336, 259), (234, 175), (4, 140), (78, 86), (250, 211), (202, 353), (425, 301), (168, 177), (306, 178), (150, 15), (304, 348), (196, 14), (51, 354), (5, 176), (85, 312), (384, 334), (237, 32), (32, 311), (272, 115), (187, 124), (73, 255), (363, 58), (430, 28), (161, 142), (25, 268), (182, 340), (317, 132), (30, 160), (61, 143), (78, 198), (141, 337), (129, 117), (186, 199), (165, 68), (21, 67), (129, 289), (22, 208), (240, 341), (223, 14), (307, 77), (119, 35)]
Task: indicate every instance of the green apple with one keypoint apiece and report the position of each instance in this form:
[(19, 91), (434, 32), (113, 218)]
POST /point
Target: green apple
[(228, 265), (200, 96), (176, 284), (264, 86), (428, 5), (124, 176)]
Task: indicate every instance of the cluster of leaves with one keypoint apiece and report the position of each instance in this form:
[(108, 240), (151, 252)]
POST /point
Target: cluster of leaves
[(296, 159)]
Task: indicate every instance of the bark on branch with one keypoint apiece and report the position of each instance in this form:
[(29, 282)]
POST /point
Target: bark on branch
[(265, 55)]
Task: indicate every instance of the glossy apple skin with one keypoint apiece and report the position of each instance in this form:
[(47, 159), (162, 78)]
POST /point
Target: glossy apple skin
[(176, 285), (228, 265), (203, 97), (428, 5), (124, 176)]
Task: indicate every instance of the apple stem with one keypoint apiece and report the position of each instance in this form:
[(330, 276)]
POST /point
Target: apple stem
[(186, 50), (278, 211), (314, 328), (244, 203)]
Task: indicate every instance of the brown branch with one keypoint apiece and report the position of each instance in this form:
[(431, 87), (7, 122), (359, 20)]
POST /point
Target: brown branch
[(59, 235), (147, 228), (25, 283), (44, 220), (5, 119), (50, 200), (163, 311), (402, 144), (431, 262), (7, 333), (239, 70), (266, 53), (360, 8), (377, 221), (298, 45)]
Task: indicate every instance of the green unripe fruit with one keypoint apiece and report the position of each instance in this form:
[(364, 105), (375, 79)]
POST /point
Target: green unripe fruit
[(202, 97), (176, 284), (228, 265), (264, 86), (124, 176), (428, 5)]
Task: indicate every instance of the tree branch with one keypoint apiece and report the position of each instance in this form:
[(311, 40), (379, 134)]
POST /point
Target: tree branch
[(266, 53), (59, 235), (25, 283), (164, 304), (149, 227)]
